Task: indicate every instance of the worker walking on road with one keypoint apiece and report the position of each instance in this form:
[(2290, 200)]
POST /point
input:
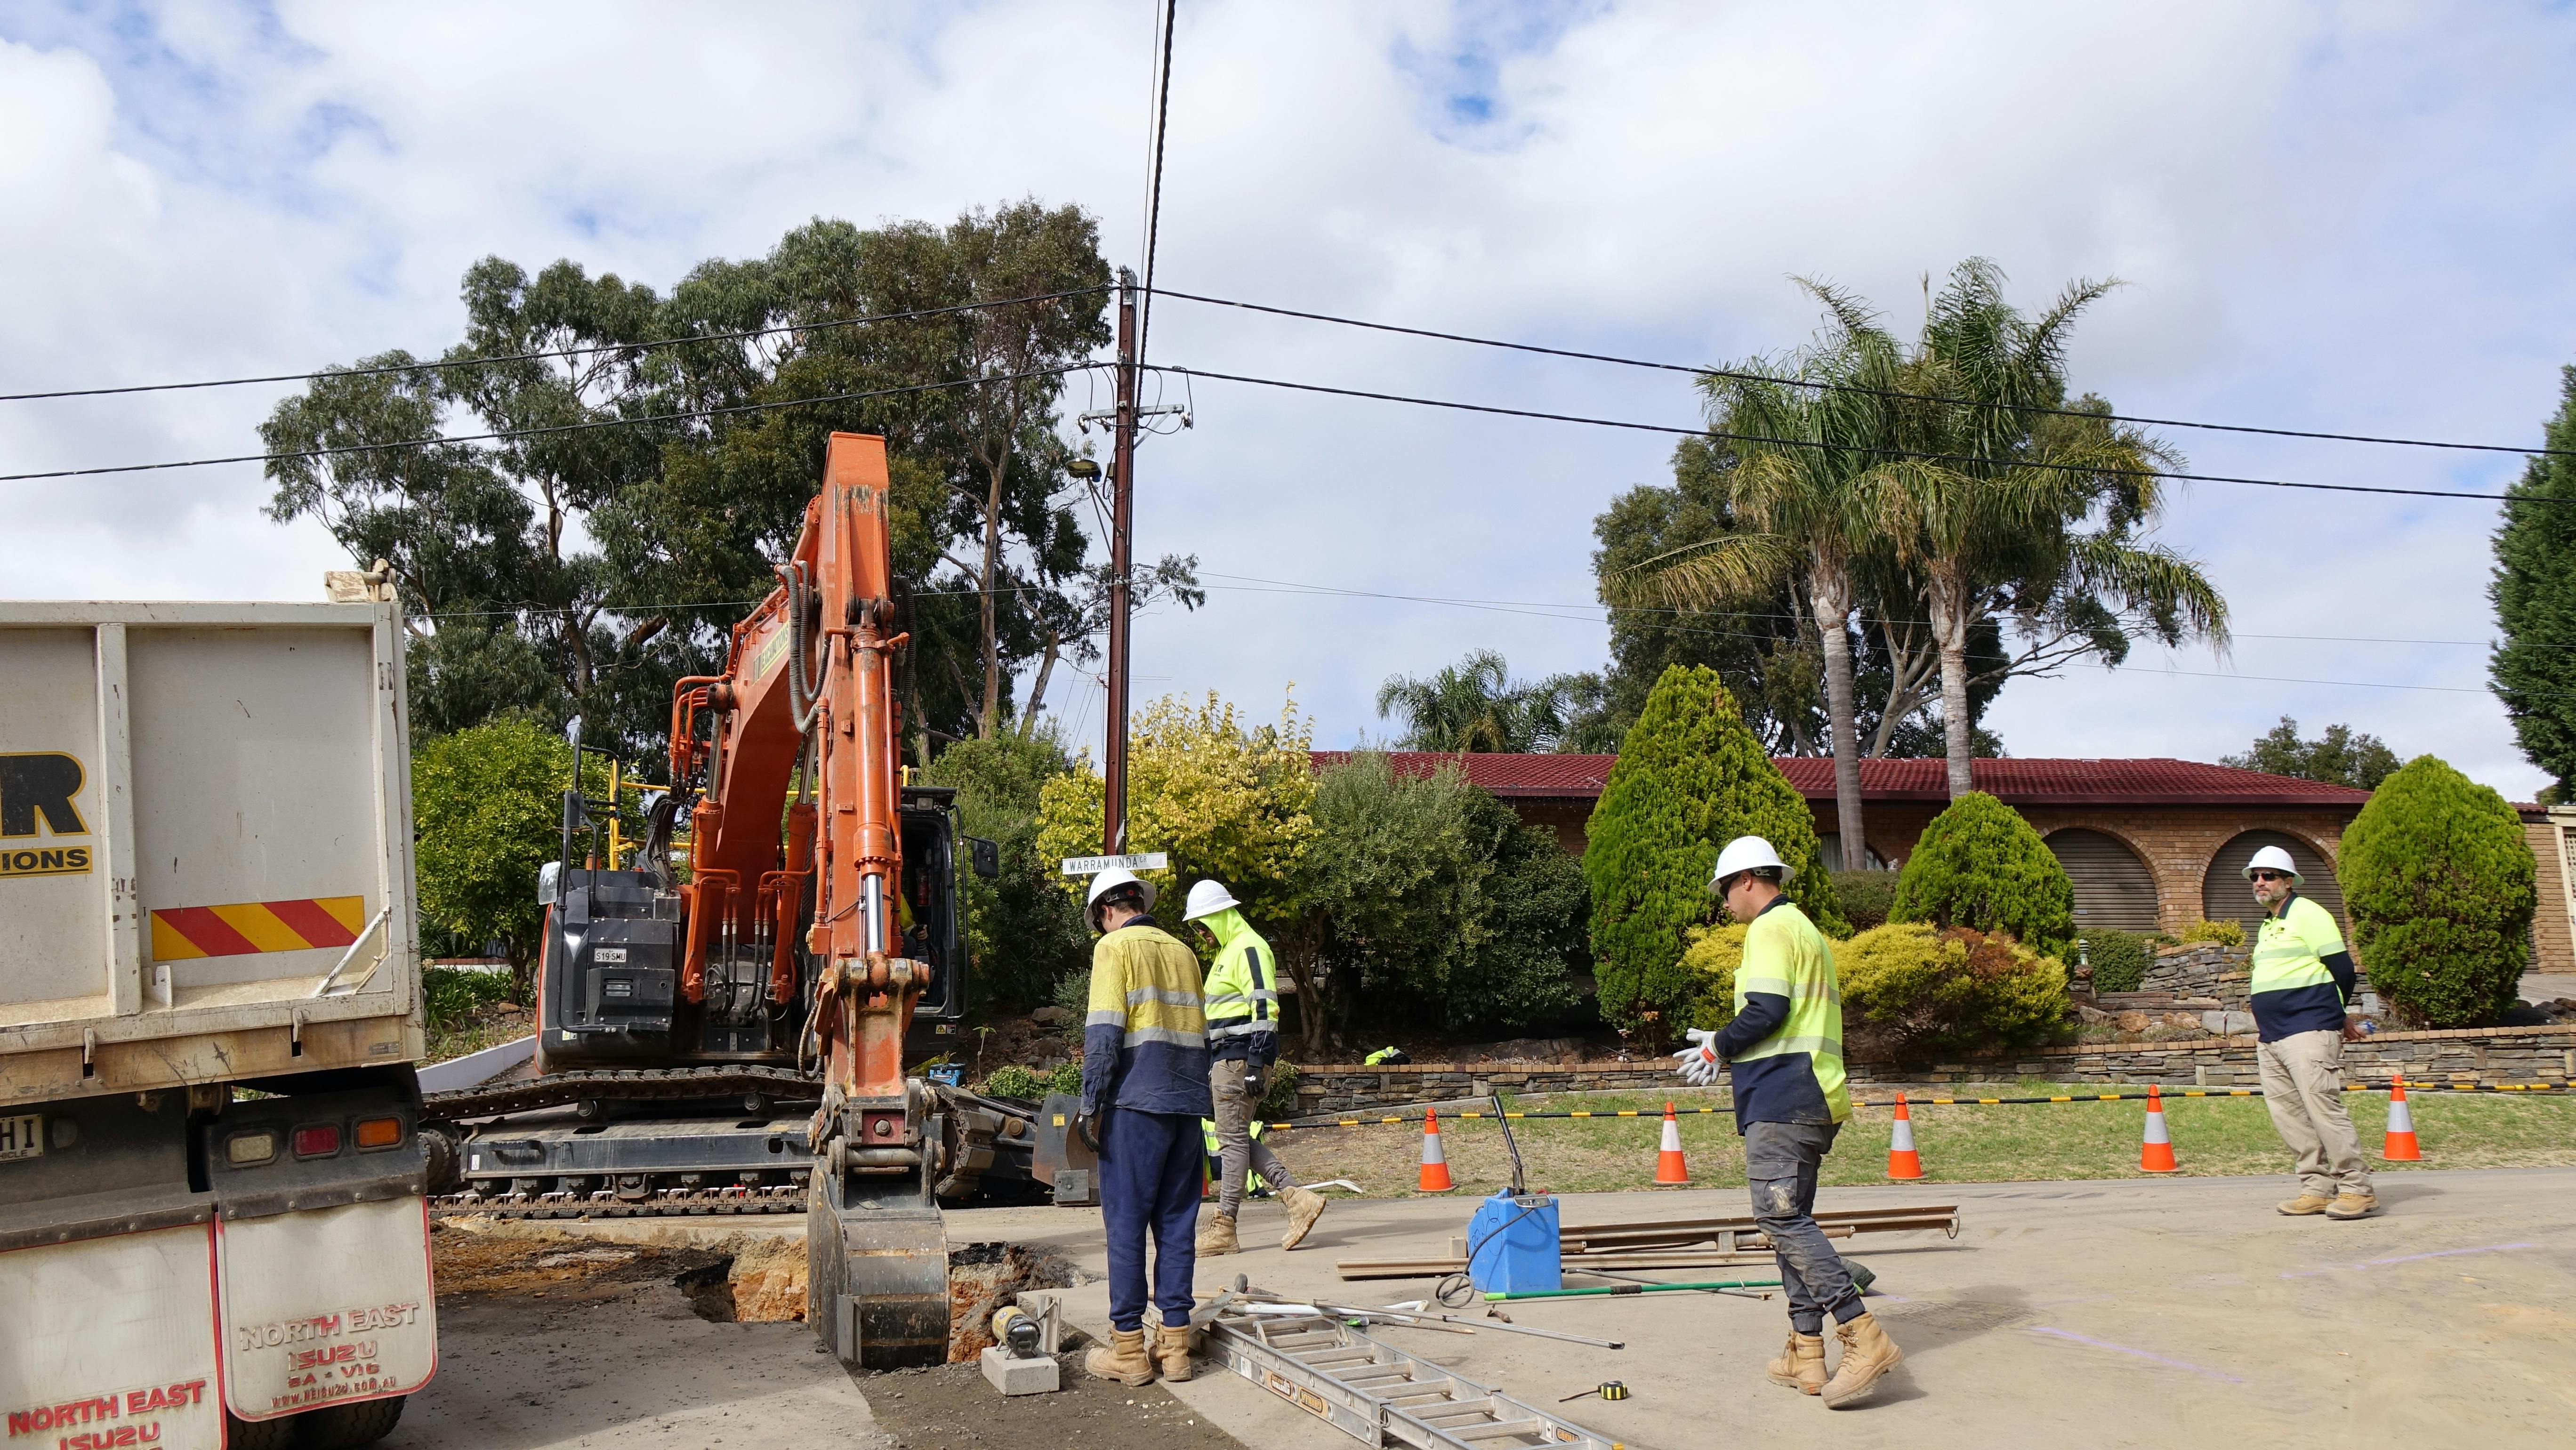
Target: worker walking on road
[(1242, 1005), (2302, 977), (1785, 1050), (1144, 1091)]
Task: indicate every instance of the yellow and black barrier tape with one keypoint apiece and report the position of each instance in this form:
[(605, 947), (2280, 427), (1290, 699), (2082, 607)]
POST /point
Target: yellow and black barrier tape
[(2428, 1089)]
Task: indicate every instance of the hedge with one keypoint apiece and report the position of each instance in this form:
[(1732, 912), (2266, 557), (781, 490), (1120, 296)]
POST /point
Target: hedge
[(1911, 990)]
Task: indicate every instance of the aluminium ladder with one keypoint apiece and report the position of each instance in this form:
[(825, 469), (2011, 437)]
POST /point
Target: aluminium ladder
[(1380, 1394)]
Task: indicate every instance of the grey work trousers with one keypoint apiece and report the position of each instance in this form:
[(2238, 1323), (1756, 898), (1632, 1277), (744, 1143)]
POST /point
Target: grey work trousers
[(1237, 1150), (1780, 1165), (2302, 1076)]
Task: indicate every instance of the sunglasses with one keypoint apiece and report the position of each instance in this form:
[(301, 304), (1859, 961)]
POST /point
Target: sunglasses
[(2271, 876)]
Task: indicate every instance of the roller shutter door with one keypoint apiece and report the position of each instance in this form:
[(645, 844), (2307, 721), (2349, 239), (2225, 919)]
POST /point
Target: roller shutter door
[(2113, 889), (2225, 894)]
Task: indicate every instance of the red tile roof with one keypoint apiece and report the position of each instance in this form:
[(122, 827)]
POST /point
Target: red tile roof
[(2014, 780)]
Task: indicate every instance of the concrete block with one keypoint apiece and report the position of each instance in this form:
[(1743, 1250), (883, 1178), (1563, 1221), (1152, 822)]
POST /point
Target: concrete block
[(1018, 1376)]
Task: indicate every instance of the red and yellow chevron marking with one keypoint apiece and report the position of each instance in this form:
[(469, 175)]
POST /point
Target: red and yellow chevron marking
[(245, 927)]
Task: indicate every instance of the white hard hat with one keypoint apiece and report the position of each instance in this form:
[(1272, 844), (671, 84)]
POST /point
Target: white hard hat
[(1207, 899), (1743, 854), (1113, 878), (2273, 858)]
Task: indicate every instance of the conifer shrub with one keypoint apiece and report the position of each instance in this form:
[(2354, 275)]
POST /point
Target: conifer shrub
[(1980, 865), (1912, 990), (1865, 897), (1690, 777), (2439, 880), (2119, 958)]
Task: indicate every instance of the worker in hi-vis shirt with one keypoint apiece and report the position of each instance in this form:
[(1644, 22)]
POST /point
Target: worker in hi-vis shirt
[(2302, 979)]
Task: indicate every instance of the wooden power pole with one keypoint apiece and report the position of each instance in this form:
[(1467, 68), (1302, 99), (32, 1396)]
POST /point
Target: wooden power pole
[(1122, 495)]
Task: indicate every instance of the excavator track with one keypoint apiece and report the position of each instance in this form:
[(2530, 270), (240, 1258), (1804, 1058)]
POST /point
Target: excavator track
[(660, 1203), (661, 1084)]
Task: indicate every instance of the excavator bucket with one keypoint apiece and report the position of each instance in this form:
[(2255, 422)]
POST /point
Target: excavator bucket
[(876, 1271)]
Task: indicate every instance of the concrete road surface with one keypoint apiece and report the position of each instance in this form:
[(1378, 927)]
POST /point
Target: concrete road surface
[(2177, 1312), (2150, 1313)]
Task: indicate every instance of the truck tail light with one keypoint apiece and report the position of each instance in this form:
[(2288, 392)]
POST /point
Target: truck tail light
[(379, 1133), (244, 1150), (317, 1140)]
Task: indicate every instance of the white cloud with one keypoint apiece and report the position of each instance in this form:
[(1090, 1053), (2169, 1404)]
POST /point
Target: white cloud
[(2344, 218)]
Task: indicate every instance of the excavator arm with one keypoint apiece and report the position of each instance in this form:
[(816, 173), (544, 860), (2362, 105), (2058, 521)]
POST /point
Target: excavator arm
[(795, 842)]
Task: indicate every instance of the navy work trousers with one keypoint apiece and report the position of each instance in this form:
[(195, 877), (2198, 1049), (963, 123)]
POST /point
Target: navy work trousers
[(1780, 1165), (1151, 1167)]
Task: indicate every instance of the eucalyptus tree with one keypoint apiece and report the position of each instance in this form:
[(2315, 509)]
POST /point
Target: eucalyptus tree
[(2003, 500)]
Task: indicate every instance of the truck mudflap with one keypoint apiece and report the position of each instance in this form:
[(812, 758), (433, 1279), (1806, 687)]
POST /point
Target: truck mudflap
[(110, 1342), (296, 1338)]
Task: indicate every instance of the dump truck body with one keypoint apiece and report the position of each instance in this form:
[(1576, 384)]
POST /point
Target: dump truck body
[(210, 1173)]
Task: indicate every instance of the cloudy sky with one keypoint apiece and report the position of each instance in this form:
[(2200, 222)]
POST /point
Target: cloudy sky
[(2349, 217)]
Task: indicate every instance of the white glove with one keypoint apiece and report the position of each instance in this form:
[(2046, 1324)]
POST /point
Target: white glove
[(1699, 1061)]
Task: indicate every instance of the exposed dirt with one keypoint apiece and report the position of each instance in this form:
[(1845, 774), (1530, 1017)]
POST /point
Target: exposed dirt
[(983, 1278), (950, 1407), (520, 1262)]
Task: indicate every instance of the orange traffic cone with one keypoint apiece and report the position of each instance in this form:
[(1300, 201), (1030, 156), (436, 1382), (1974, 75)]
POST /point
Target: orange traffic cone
[(2157, 1155), (1435, 1164), (1669, 1167), (2401, 1146), (1902, 1160)]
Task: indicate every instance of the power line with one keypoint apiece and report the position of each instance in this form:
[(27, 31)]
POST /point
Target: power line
[(476, 362), (1844, 447), (1154, 207), (1752, 377), (685, 413), (1291, 584)]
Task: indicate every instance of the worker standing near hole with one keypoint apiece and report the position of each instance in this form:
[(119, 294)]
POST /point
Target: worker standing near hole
[(2301, 977), (1241, 999), (1785, 1052), (1144, 1091)]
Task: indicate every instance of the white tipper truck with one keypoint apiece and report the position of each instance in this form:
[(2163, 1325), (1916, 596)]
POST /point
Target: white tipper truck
[(212, 1223)]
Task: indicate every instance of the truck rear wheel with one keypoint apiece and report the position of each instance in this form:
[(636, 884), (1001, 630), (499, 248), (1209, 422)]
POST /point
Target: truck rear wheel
[(277, 1434), (346, 1427)]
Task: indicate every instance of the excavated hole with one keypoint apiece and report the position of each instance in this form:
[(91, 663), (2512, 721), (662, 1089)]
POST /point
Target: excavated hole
[(709, 1288), (983, 1278)]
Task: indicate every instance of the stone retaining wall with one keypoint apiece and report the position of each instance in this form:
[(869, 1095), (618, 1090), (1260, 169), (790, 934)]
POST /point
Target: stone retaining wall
[(2474, 1055)]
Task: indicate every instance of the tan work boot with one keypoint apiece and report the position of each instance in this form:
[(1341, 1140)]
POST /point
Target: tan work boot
[(1303, 1209), (1123, 1359), (1172, 1351), (1867, 1354), (1801, 1365), (2306, 1203), (1218, 1236), (2349, 1204)]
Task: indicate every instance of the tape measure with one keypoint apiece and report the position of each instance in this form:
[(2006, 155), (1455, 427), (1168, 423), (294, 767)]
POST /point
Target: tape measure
[(1607, 1389)]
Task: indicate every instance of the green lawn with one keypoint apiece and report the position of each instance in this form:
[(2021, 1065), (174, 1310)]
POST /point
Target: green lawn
[(1959, 1144)]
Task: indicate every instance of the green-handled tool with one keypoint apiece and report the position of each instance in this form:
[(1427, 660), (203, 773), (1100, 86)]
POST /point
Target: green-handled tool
[(1616, 1289)]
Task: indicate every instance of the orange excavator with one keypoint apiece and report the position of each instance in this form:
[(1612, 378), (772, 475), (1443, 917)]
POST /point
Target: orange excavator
[(687, 1017)]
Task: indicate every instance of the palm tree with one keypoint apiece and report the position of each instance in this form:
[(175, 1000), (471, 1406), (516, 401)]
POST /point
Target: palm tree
[(1801, 493), (1998, 508), (1474, 706)]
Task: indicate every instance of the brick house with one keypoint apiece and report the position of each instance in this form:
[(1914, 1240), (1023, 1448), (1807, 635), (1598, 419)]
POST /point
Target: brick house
[(2151, 845)]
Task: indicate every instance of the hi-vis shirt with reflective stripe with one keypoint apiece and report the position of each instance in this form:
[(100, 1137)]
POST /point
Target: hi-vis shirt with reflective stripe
[(2293, 989), (1144, 1042), (1795, 1075), (1242, 991)]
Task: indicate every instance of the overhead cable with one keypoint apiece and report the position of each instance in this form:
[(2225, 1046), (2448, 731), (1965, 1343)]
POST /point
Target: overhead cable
[(476, 362), (1753, 377), (684, 413), (1724, 436)]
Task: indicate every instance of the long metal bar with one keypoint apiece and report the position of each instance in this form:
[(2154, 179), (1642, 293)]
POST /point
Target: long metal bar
[(1381, 1395)]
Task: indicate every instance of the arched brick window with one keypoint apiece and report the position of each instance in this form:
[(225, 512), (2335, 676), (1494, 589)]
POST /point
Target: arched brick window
[(2113, 888)]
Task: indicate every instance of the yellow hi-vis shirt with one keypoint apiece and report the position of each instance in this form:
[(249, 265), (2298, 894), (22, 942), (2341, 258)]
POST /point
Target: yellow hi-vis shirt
[(1795, 1074), (1144, 1041)]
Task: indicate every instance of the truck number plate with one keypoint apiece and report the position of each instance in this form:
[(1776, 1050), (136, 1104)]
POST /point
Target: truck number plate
[(22, 1137)]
